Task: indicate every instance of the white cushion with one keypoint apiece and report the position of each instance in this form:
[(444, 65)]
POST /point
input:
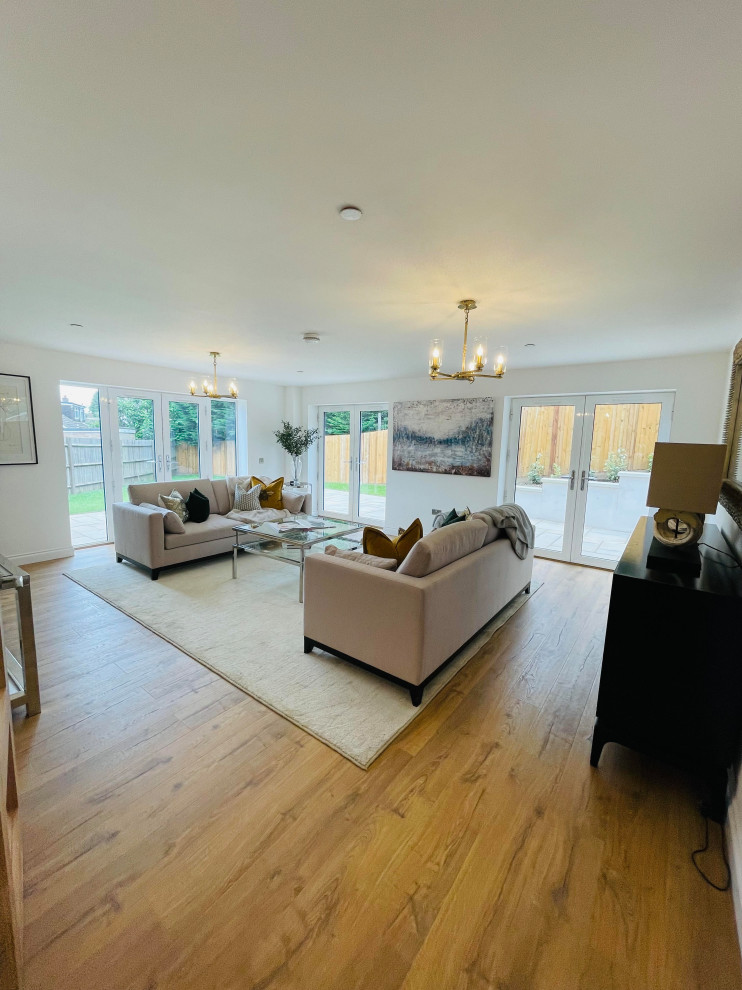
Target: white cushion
[(385, 563)]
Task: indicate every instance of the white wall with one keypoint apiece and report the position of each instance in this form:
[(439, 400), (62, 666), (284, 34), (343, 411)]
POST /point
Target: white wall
[(35, 521), (699, 381)]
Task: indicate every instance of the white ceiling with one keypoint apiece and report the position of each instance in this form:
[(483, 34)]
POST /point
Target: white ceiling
[(171, 174)]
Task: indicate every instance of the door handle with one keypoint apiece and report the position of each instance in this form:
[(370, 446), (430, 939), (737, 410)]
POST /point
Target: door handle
[(167, 461), (582, 481), (159, 462), (572, 480)]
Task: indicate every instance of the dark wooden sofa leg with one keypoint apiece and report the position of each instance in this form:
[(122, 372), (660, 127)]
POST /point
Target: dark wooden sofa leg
[(308, 644), (416, 694), (527, 588), (599, 741), (119, 558), (154, 573)]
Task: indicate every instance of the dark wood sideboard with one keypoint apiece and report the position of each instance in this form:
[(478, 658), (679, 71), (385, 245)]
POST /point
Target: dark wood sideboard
[(671, 680)]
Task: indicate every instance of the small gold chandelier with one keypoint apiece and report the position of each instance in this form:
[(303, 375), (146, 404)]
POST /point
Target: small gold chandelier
[(211, 388), (475, 367)]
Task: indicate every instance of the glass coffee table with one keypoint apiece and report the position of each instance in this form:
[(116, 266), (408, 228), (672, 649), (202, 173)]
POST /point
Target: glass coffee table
[(292, 545)]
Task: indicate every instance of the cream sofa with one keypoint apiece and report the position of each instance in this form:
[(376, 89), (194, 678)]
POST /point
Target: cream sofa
[(407, 627), (139, 532)]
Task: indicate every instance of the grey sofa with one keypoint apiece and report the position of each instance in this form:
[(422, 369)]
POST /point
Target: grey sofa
[(406, 627), (139, 532)]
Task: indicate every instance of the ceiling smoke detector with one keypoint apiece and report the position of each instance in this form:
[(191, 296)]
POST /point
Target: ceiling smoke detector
[(310, 337), (350, 213)]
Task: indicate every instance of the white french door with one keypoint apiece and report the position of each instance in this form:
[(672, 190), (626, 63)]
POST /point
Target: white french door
[(579, 465), (352, 462), (116, 437)]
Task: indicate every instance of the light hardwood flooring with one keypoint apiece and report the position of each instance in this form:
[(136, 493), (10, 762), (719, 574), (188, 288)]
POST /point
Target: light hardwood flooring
[(180, 835)]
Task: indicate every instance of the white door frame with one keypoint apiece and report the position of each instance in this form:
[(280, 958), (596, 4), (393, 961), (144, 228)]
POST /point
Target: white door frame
[(204, 432), (516, 406), (579, 467), (354, 409), (666, 400)]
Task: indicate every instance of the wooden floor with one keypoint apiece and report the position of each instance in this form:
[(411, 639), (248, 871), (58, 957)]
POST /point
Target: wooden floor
[(180, 835)]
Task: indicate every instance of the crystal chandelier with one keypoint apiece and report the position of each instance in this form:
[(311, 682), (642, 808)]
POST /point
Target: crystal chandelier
[(211, 388), (476, 365)]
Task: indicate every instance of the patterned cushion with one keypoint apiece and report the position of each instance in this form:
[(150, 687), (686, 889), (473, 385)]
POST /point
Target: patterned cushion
[(270, 495), (176, 503), (246, 500)]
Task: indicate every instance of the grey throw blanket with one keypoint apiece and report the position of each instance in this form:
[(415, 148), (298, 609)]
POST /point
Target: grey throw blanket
[(517, 526)]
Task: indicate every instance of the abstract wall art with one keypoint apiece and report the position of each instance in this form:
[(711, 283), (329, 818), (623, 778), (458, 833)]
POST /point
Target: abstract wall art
[(443, 436)]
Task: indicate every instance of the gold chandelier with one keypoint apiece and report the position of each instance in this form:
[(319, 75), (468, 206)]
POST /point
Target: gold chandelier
[(211, 388), (476, 365)]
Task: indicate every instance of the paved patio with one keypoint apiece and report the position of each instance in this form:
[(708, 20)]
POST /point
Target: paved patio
[(607, 544), (88, 528), (372, 507)]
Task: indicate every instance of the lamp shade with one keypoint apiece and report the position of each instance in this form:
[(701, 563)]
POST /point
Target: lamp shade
[(686, 476)]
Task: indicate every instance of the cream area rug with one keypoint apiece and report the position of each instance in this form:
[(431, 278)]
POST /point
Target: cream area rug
[(250, 631)]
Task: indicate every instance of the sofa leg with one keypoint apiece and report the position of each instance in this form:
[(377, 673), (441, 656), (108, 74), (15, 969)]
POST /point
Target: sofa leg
[(154, 573), (119, 558), (308, 644), (416, 694), (527, 588)]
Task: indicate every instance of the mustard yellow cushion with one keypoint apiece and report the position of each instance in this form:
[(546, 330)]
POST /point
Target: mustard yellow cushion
[(269, 495), (392, 547)]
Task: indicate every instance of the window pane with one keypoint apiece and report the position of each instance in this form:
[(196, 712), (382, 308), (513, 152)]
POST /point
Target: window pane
[(372, 462), (137, 440), (624, 435), (223, 439), (184, 455), (83, 453), (336, 467), (542, 476)]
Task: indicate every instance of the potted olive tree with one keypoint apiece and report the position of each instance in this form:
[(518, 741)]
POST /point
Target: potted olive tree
[(295, 441)]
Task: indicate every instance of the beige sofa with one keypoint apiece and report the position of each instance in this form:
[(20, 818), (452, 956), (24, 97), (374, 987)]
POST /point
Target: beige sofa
[(139, 531), (407, 627)]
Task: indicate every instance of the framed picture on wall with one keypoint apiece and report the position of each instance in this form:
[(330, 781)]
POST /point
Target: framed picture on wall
[(17, 433)]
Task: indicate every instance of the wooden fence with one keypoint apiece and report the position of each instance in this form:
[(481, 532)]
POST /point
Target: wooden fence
[(373, 458), (84, 462), (547, 430)]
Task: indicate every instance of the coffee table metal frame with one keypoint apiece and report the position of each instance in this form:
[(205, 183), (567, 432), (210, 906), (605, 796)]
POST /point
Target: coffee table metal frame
[(298, 542)]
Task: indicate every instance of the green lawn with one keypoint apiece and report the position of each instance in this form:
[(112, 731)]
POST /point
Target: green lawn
[(339, 486), (82, 502)]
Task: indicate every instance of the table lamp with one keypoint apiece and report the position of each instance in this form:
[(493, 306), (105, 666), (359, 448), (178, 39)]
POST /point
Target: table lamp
[(685, 484)]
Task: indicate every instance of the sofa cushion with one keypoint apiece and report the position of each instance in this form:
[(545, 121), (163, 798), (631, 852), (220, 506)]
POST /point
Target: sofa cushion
[(293, 501), (379, 544), (170, 520), (216, 527), (176, 503), (150, 491), (246, 499), (385, 563), (198, 506), (270, 494), (442, 547)]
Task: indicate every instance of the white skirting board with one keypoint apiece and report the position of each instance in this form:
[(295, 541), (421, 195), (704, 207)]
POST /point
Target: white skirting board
[(37, 558)]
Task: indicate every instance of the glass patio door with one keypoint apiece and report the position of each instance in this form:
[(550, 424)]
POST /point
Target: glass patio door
[(353, 462), (579, 465), (544, 451), (187, 446), (618, 437), (136, 434)]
